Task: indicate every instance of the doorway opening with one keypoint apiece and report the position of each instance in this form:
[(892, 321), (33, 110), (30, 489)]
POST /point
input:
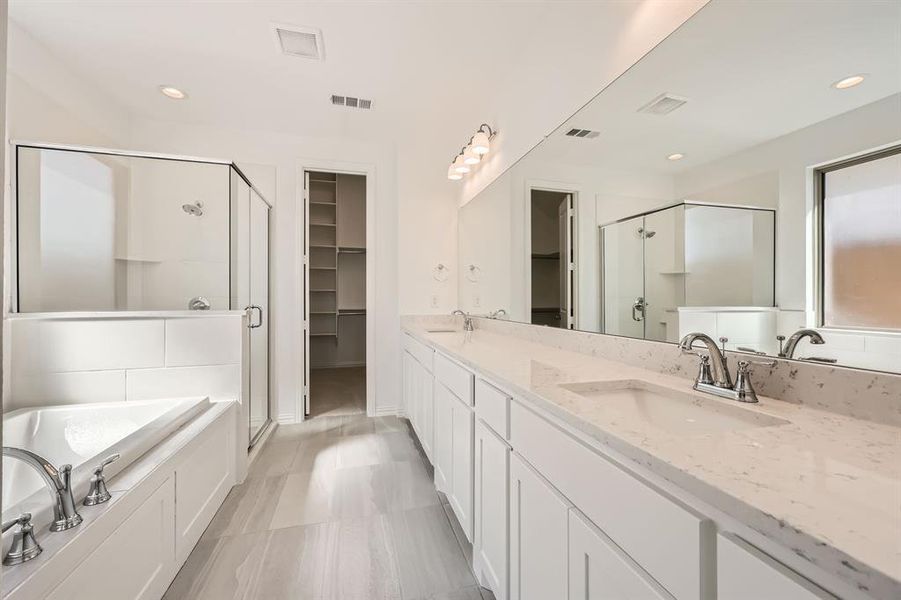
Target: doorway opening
[(336, 240), (552, 218)]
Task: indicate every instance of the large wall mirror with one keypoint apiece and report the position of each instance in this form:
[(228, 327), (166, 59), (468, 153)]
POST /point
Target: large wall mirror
[(108, 231), (742, 180)]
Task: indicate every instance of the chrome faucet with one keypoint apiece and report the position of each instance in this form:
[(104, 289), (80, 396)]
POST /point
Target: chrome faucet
[(713, 375), (497, 314), (59, 482), (467, 319), (792, 344)]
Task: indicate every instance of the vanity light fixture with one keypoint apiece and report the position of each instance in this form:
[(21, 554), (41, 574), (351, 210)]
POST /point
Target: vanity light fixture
[(676, 156), (173, 92), (471, 154), (848, 82)]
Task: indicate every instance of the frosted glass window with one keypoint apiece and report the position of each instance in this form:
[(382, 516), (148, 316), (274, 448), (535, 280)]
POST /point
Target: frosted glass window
[(862, 245)]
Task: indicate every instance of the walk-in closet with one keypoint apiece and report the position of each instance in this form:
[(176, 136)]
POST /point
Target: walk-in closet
[(336, 293)]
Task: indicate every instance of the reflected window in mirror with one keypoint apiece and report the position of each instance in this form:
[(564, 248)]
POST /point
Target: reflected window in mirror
[(860, 249)]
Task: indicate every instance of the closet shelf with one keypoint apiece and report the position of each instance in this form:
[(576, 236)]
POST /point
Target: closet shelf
[(351, 311), (323, 268), (323, 312), (551, 256), (317, 203), (332, 181), (350, 250), (334, 335), (322, 246), (323, 225), (323, 290)]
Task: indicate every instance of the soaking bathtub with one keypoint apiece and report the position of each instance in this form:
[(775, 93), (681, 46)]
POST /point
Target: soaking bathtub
[(83, 435)]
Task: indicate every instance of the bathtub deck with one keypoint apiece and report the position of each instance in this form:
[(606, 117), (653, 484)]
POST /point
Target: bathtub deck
[(335, 508)]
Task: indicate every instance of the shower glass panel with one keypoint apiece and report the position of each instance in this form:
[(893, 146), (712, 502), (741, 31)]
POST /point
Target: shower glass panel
[(259, 315), (109, 232), (623, 278), (687, 255)]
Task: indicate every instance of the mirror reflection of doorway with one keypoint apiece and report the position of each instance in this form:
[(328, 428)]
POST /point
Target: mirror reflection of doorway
[(551, 218)]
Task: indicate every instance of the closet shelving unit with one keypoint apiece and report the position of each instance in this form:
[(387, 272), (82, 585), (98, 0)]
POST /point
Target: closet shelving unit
[(337, 230)]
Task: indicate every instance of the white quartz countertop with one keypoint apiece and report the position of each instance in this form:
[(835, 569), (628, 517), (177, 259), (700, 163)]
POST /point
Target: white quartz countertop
[(826, 486)]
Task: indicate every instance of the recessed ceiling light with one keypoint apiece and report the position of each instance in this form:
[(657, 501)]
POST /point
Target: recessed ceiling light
[(173, 92), (848, 82), (676, 156)]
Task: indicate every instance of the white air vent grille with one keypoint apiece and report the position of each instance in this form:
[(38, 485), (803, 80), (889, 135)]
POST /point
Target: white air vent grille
[(305, 42), (351, 102), (583, 133), (663, 104)]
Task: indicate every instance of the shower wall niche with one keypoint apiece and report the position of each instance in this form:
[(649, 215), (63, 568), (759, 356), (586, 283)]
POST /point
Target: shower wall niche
[(100, 231)]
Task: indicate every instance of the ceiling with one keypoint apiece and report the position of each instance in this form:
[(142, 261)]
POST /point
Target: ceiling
[(751, 71), (427, 66)]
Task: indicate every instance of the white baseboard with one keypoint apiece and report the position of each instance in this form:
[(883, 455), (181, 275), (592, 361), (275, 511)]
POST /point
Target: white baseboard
[(287, 419)]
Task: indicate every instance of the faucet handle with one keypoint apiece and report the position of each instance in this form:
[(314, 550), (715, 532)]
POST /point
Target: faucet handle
[(24, 546), (98, 493)]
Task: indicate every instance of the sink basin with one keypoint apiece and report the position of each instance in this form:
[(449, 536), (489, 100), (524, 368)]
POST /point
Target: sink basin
[(680, 413)]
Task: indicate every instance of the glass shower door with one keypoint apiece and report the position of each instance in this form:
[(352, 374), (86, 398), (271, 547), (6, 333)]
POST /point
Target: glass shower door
[(259, 315), (623, 278)]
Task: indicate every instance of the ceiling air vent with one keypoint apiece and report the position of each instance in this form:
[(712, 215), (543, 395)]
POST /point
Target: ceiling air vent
[(305, 42), (351, 102), (663, 104), (583, 133)]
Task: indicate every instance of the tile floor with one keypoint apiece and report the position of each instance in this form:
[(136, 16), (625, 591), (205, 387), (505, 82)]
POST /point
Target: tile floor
[(338, 508)]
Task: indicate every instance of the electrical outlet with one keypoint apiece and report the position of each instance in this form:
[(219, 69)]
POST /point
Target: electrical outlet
[(434, 300), (477, 302)]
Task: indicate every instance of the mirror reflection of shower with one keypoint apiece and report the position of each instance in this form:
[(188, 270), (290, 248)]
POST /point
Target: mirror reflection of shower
[(195, 209)]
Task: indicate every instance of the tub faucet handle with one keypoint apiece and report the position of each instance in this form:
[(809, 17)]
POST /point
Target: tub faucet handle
[(24, 546), (98, 493)]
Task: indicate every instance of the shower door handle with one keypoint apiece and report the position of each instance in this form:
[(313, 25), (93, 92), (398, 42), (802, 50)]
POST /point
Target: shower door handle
[(638, 309), (259, 323)]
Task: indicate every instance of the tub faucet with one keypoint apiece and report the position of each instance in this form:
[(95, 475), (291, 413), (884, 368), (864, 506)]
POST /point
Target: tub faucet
[(792, 343), (59, 482), (467, 319)]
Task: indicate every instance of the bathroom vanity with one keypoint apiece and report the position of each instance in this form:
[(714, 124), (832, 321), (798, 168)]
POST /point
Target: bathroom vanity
[(578, 476)]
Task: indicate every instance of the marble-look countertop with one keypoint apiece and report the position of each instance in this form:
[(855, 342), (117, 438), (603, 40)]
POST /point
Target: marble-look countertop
[(824, 485)]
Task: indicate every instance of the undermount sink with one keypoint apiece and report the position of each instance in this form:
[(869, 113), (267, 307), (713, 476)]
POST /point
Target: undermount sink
[(441, 331), (681, 413)]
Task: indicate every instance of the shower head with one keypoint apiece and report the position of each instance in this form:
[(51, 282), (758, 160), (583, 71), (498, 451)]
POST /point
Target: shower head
[(195, 209)]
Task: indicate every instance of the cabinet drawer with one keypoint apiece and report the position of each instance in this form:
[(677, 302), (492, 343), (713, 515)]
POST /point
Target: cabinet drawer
[(419, 351), (455, 377), (746, 573), (668, 540), (493, 406)]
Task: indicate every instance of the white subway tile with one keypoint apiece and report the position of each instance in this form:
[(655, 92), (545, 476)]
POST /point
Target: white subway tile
[(203, 341), (41, 389), (220, 382), (81, 345)]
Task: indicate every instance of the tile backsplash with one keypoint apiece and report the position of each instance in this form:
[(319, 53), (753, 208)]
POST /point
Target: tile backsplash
[(73, 360)]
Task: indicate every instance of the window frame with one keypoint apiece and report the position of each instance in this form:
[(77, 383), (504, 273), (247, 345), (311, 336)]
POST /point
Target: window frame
[(819, 227)]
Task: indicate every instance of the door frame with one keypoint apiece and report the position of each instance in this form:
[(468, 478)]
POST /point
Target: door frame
[(302, 274), (577, 193)]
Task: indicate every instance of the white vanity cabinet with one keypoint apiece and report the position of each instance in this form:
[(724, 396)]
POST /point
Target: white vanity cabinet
[(599, 570), (454, 433), (746, 573), (418, 384), (491, 505)]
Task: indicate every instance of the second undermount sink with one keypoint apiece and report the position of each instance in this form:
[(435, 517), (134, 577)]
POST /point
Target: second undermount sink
[(680, 413)]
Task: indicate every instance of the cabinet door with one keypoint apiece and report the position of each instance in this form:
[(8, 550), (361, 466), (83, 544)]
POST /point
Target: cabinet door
[(746, 573), (598, 570), (425, 384), (410, 402), (491, 510), (443, 439), (461, 473), (137, 561), (538, 545)]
